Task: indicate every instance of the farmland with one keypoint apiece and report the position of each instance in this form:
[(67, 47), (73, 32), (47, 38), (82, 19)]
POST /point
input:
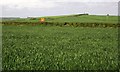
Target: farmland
[(68, 20), (46, 47), (73, 18), (55, 48)]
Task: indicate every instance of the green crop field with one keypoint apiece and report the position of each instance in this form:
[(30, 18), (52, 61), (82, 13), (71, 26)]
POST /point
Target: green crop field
[(73, 18), (88, 18), (59, 48)]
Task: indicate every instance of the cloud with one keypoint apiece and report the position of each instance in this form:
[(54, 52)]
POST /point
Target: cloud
[(42, 3), (57, 7), (86, 0), (63, 8), (27, 3)]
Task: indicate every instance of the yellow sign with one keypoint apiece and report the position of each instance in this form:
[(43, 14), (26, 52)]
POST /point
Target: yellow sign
[(42, 19)]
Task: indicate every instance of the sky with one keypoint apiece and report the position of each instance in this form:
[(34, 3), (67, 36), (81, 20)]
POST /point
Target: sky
[(36, 8)]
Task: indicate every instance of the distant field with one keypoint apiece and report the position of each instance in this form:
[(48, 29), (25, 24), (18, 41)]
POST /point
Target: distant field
[(88, 18), (59, 48), (73, 18)]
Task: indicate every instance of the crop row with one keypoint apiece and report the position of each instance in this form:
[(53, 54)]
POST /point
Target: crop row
[(76, 24)]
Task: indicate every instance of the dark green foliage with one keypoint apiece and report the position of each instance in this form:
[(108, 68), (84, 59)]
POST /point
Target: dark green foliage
[(75, 24)]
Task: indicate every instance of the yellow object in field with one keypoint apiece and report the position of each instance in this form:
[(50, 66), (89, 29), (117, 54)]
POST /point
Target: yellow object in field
[(42, 19)]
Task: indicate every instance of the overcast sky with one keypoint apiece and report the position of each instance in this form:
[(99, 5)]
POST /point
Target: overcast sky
[(25, 8)]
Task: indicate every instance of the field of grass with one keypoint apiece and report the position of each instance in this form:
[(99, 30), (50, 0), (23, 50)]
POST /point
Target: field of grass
[(59, 48), (73, 18), (88, 19)]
